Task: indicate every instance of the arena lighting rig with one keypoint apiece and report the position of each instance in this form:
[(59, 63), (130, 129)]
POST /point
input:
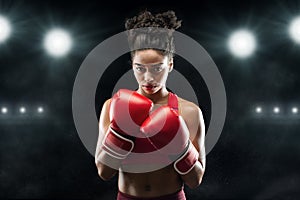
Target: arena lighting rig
[(241, 43), (270, 112), (266, 111), (22, 110)]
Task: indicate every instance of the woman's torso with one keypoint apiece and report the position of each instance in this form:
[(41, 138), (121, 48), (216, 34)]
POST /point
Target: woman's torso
[(155, 183)]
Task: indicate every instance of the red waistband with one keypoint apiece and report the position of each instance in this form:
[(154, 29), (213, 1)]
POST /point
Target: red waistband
[(180, 195)]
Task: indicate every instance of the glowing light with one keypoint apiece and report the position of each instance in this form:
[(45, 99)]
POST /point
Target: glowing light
[(276, 110), (258, 109), (40, 109), (242, 43), (294, 110), (294, 30), (4, 110), (58, 42), (22, 110), (5, 29)]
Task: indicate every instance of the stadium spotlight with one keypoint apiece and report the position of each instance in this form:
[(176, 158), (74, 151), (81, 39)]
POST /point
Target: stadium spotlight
[(40, 109), (22, 110), (58, 42), (4, 110), (242, 43), (276, 110), (5, 29), (294, 29), (294, 110), (258, 109)]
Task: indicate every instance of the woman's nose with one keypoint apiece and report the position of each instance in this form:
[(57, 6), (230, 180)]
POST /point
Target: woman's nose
[(148, 76)]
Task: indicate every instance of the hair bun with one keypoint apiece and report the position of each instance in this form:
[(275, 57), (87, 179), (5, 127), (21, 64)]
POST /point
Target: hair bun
[(166, 19)]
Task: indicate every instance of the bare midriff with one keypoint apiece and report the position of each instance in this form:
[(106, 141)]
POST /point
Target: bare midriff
[(151, 184)]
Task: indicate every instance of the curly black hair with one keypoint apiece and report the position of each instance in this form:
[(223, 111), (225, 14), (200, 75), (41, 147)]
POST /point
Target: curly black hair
[(154, 31), (145, 18)]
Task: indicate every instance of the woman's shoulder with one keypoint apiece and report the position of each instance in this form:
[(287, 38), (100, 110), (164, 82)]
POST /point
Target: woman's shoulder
[(188, 109), (105, 107), (192, 115), (187, 106)]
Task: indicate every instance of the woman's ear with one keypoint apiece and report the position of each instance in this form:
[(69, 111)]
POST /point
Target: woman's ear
[(170, 64)]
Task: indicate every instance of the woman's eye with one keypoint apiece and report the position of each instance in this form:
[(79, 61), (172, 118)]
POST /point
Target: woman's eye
[(157, 69), (140, 69)]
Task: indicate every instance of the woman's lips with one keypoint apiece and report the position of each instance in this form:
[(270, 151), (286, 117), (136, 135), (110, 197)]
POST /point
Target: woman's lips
[(149, 87)]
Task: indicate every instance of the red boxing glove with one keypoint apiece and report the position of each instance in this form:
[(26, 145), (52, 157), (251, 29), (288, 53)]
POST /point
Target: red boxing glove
[(166, 131), (128, 110), (169, 135), (187, 161)]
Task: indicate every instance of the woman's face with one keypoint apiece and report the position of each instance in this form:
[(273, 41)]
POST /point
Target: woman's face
[(151, 70)]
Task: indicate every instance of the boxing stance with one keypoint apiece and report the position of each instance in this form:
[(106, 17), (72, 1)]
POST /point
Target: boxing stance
[(154, 122)]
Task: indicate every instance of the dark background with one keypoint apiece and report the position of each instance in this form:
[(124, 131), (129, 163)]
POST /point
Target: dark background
[(255, 157)]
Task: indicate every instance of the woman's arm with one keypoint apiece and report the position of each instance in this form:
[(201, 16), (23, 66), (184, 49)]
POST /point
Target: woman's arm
[(195, 123), (105, 172)]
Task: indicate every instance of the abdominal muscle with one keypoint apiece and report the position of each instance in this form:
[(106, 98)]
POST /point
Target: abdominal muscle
[(151, 184)]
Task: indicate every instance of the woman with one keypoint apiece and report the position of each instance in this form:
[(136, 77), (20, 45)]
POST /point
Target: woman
[(160, 117)]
